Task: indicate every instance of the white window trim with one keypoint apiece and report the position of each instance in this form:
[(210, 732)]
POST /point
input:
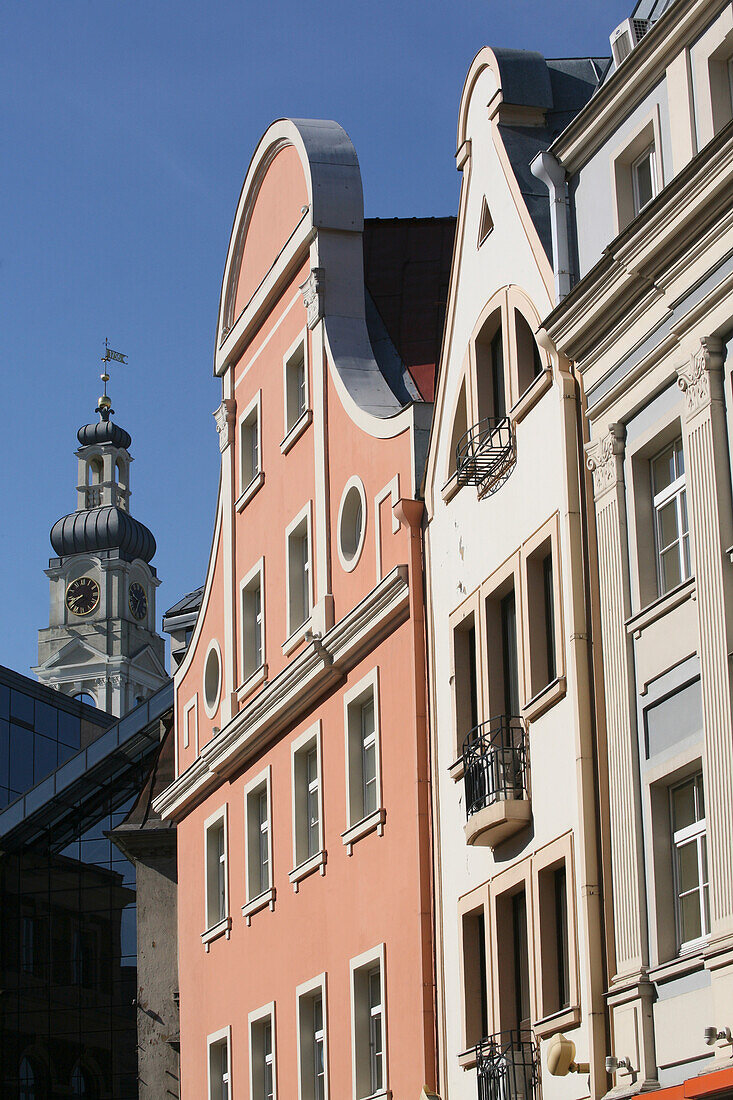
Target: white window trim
[(679, 839), (673, 491), (366, 961), (211, 711), (650, 154), (258, 901), (216, 1037), (307, 989), (257, 570), (317, 861), (258, 1016), (245, 490), (222, 927), (357, 829), (348, 564), (302, 629), (294, 432), (191, 705)]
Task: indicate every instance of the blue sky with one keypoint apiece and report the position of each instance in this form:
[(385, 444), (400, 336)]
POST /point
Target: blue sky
[(125, 135)]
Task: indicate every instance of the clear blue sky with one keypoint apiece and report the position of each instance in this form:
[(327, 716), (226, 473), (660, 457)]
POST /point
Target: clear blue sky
[(125, 133)]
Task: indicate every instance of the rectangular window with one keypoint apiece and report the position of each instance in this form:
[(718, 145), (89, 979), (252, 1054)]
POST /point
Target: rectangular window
[(259, 840), (312, 1040), (542, 593), (217, 906), (643, 179), (368, 1024), (671, 529), (522, 1010), (249, 446), (362, 734), (253, 630), (299, 574), (552, 925), (465, 679), (262, 1054), (475, 987), (296, 395), (307, 804), (510, 662), (219, 1066), (689, 846)]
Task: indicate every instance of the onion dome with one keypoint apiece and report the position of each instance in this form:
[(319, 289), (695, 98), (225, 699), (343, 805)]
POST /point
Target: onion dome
[(107, 528), (104, 432)]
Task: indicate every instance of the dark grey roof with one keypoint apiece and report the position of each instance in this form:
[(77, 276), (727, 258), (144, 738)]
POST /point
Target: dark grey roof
[(78, 794), (104, 432), (190, 604), (103, 528), (559, 87)]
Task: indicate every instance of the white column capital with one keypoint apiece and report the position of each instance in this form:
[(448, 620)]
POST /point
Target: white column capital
[(604, 459), (224, 417), (693, 377)]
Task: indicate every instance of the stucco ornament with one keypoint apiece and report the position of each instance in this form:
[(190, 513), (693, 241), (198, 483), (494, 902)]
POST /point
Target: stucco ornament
[(312, 290), (605, 458), (224, 417), (693, 378)]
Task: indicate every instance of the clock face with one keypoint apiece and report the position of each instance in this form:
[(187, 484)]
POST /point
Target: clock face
[(82, 596), (138, 601)]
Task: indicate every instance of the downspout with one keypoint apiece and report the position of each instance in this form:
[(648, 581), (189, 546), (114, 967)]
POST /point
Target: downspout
[(548, 169)]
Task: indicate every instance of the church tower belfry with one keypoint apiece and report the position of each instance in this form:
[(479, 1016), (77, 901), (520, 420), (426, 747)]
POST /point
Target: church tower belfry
[(101, 640)]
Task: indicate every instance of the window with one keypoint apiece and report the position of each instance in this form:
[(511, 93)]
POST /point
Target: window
[(489, 350), (475, 985), (296, 391), (220, 1065), (529, 363), (671, 530), (307, 807), (510, 664), (263, 1084), (368, 1024), (259, 839), (554, 941), (643, 179), (217, 895), (504, 653), (310, 1000), (212, 679), (460, 427), (250, 461), (465, 677), (351, 524), (299, 572), (543, 658), (27, 1080), (253, 627), (689, 844)]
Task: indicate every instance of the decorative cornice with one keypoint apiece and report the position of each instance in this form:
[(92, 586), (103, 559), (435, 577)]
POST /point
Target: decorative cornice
[(313, 293), (693, 377), (605, 458), (224, 417), (286, 698)]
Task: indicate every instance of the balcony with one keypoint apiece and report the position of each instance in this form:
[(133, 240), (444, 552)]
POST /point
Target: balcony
[(496, 780), (508, 1067), (485, 453)]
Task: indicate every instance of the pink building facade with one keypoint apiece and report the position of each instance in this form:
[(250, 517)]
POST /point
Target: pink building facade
[(301, 787)]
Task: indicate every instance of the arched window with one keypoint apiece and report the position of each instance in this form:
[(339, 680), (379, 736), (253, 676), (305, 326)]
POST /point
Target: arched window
[(85, 697), (529, 362), (27, 1080), (490, 374), (81, 1084), (94, 471), (460, 427)]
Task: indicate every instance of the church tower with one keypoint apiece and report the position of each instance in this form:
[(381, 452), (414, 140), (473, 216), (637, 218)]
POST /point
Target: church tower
[(101, 640)]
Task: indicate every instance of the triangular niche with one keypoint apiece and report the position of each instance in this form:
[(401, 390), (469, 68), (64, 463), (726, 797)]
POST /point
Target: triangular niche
[(486, 222)]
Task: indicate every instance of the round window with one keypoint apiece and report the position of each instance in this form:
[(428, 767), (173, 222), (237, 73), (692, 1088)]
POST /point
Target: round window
[(351, 523), (212, 679)]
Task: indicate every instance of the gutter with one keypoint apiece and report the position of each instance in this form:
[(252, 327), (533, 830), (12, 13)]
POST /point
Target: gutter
[(548, 169)]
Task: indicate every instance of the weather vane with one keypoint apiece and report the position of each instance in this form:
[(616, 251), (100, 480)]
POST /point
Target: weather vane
[(104, 408)]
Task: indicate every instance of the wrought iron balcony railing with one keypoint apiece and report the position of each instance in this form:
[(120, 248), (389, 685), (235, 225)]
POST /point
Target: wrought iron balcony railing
[(485, 451), (495, 763), (508, 1066)]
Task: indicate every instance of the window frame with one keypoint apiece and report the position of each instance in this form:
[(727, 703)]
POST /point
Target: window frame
[(252, 676), (306, 864), (659, 500), (355, 697), (260, 1018), (259, 784), (476, 902), (223, 923), (546, 862), (646, 135), (253, 411), (305, 995), (297, 632), (360, 969), (543, 693), (696, 832), (348, 561), (220, 1038), (293, 429)]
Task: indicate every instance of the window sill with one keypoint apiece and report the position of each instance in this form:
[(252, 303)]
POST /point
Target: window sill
[(253, 681), (545, 699), (362, 828), (557, 1021), (679, 966), (260, 902), (457, 770), (539, 385), (307, 867), (291, 644), (254, 486), (450, 488), (296, 431), (467, 1058), (383, 1094), (661, 606), (222, 928)]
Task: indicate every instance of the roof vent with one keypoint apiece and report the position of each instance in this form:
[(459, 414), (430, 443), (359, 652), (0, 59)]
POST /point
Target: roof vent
[(627, 35)]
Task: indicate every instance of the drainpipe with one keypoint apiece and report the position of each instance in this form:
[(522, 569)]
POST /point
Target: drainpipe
[(547, 168)]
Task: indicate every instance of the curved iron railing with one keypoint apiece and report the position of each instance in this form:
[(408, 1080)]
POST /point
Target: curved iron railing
[(485, 451), (508, 1066), (495, 762)]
